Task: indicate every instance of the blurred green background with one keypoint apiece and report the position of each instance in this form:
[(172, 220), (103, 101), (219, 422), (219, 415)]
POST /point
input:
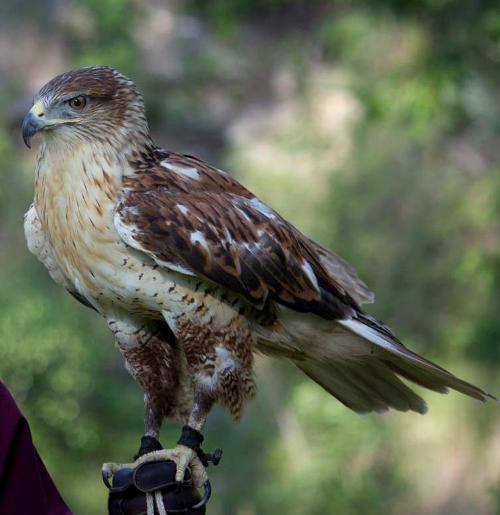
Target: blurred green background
[(375, 127)]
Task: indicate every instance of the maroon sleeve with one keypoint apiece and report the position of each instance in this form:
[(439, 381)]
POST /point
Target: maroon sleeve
[(25, 485)]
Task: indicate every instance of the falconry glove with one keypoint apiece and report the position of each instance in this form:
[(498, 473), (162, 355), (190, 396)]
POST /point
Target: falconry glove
[(151, 489)]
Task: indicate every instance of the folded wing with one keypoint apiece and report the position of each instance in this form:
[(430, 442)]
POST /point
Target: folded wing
[(197, 220)]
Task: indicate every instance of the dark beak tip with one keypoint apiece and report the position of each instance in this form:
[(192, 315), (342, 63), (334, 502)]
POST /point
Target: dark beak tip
[(31, 125)]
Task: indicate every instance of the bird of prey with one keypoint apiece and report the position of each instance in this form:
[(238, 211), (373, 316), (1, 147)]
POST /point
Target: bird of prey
[(193, 273)]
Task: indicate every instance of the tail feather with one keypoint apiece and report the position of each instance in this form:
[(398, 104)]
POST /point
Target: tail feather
[(411, 375), (329, 378), (393, 391), (409, 364), (371, 381), (363, 387)]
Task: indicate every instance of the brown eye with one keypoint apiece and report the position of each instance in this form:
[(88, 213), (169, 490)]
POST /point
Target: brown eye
[(78, 102)]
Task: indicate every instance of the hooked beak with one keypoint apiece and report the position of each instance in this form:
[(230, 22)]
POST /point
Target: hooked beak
[(33, 122)]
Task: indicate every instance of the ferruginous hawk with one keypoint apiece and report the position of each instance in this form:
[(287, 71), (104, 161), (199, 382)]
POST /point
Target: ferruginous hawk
[(193, 273)]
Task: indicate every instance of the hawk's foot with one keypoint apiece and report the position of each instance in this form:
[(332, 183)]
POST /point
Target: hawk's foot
[(187, 453), (185, 457)]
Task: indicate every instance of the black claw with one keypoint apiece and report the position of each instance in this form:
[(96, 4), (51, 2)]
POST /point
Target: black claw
[(148, 444), (105, 479), (206, 496)]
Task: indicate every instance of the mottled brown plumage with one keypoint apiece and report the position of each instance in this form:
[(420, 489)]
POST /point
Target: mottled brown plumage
[(193, 272), (239, 242)]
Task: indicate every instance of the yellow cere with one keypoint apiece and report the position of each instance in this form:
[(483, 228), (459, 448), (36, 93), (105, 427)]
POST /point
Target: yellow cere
[(38, 108)]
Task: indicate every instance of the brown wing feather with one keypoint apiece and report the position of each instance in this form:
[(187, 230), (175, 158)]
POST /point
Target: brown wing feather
[(193, 217)]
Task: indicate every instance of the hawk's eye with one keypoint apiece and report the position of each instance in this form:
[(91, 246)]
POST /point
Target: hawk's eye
[(77, 103)]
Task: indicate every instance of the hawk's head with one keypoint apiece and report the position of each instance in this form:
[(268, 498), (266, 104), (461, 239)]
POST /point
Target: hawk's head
[(96, 103)]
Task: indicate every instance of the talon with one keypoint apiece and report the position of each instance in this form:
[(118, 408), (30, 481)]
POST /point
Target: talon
[(185, 457), (106, 475), (206, 495), (109, 470)]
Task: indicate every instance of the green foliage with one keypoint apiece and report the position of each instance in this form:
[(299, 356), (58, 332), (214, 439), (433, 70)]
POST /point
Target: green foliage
[(100, 32), (226, 15)]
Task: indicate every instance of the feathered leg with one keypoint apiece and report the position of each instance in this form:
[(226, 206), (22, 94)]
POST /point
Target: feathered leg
[(219, 360), (153, 359)]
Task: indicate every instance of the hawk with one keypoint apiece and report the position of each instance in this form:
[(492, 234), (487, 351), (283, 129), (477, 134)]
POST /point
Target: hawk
[(194, 274)]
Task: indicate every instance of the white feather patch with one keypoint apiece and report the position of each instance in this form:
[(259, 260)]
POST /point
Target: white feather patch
[(175, 267), (39, 245), (198, 237), (371, 335), (243, 214), (183, 209), (186, 171), (306, 266), (259, 206), (127, 232), (224, 360), (133, 210)]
